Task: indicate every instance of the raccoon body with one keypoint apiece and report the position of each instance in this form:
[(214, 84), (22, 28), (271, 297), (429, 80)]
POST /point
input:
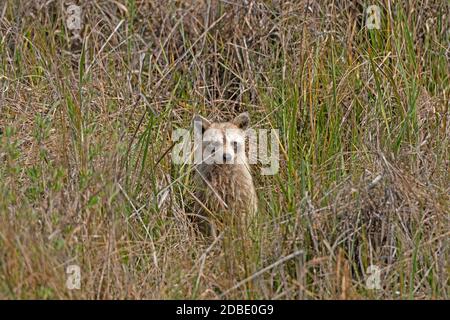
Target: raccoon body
[(224, 185)]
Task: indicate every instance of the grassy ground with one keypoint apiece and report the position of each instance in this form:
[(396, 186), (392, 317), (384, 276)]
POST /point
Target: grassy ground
[(363, 116)]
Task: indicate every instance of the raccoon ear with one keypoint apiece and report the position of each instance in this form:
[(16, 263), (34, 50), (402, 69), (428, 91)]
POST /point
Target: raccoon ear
[(242, 121), (200, 123)]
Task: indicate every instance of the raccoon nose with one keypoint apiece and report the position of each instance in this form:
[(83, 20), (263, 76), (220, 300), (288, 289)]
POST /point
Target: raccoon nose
[(226, 157)]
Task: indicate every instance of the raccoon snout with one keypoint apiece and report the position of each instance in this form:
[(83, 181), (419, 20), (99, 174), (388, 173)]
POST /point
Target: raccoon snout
[(227, 157)]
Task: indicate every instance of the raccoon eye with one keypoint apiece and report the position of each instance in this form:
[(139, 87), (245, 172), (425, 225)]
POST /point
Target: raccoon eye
[(235, 146)]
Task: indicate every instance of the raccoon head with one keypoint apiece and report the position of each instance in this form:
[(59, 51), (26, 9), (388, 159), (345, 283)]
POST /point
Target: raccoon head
[(222, 142)]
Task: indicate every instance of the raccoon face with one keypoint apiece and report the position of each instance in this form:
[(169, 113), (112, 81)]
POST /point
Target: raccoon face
[(223, 142)]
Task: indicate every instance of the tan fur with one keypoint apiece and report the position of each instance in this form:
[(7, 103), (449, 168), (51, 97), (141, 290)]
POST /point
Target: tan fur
[(226, 191)]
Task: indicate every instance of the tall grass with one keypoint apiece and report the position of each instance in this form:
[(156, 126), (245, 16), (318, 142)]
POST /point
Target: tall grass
[(87, 178)]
